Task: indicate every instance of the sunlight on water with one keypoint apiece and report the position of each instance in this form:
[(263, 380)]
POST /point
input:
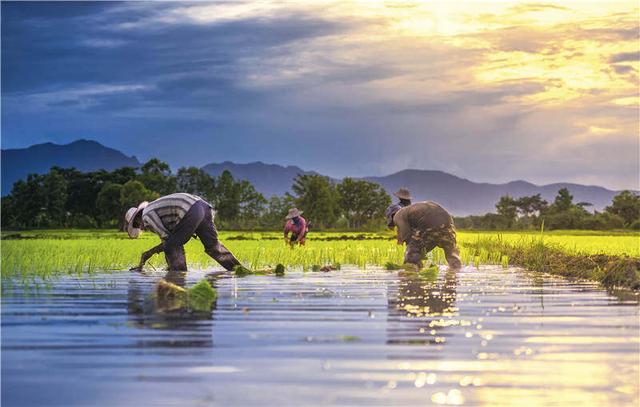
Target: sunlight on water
[(478, 337)]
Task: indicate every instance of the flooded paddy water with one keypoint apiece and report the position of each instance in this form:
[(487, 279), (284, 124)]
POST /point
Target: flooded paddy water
[(485, 336)]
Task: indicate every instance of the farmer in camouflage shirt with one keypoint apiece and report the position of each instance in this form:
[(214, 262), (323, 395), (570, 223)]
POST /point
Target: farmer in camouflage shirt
[(424, 226)]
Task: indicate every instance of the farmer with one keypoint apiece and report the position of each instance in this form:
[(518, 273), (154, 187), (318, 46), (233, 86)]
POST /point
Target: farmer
[(176, 218), (423, 226), (404, 196), (297, 226)]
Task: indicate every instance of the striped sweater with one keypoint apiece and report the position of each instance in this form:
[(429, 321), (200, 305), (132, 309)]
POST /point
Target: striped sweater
[(163, 214)]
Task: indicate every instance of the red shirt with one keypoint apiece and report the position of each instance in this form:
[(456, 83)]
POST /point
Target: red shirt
[(300, 229)]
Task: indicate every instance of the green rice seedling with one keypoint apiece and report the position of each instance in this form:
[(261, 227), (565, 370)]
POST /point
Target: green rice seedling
[(430, 272), (392, 266), (201, 296), (241, 271), (279, 271), (46, 254), (504, 260)]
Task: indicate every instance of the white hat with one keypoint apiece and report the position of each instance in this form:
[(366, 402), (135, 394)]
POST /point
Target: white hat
[(293, 212), (130, 215)]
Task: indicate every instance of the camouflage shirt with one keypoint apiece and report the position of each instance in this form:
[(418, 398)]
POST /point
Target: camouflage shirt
[(421, 216)]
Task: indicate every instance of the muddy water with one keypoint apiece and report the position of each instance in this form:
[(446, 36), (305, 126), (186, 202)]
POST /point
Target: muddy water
[(487, 337)]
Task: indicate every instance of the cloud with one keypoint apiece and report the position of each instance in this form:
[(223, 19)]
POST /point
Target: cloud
[(345, 88)]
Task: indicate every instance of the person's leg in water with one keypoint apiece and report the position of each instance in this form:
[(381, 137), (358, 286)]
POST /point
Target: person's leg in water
[(208, 235), (415, 252), (176, 259), (180, 235), (452, 254), (447, 241)]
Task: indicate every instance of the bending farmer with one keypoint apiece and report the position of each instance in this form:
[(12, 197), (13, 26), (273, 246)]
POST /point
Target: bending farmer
[(423, 226), (297, 226), (176, 218)]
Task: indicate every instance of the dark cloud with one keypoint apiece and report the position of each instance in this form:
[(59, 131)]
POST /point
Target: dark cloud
[(293, 87), (625, 57)]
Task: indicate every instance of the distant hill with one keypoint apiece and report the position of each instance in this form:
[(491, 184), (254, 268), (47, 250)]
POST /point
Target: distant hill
[(268, 179), (463, 197), (84, 155)]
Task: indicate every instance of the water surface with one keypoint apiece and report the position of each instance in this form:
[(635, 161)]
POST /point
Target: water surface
[(478, 337)]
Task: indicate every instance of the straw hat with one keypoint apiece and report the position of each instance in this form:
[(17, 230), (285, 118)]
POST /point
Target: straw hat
[(130, 216), (403, 193), (294, 212)]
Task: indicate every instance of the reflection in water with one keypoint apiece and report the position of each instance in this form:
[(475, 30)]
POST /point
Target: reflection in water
[(478, 337), (161, 304), (415, 310)]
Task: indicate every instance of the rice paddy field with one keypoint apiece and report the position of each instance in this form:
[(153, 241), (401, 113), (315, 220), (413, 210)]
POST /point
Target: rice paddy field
[(78, 329), (41, 254)]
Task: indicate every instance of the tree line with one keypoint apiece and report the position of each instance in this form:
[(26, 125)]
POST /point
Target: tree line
[(66, 198), (531, 212)]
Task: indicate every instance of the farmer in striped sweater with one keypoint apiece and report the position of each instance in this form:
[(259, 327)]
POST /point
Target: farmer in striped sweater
[(176, 218)]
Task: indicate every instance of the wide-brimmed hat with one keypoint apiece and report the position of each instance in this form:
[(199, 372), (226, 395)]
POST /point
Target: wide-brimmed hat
[(130, 216), (403, 193), (293, 212)]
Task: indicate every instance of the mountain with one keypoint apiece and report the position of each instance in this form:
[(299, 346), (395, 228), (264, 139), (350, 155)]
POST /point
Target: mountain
[(268, 179), (463, 197), (460, 196), (84, 155)]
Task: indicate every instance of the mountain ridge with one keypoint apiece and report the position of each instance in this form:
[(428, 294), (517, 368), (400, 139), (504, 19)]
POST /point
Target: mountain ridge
[(460, 195), (82, 154)]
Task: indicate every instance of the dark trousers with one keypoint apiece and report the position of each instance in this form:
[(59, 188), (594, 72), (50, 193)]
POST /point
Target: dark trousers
[(423, 241), (199, 221)]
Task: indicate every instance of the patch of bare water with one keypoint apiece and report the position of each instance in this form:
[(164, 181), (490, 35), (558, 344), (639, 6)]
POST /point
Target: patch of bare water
[(478, 337)]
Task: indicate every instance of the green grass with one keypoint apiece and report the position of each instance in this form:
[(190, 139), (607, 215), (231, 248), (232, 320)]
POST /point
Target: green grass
[(44, 253)]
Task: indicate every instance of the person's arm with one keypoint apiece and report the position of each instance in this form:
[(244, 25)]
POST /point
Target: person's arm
[(286, 232), (303, 228), (404, 230), (147, 255)]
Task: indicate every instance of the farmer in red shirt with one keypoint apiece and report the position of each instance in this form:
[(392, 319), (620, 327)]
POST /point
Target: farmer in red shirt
[(297, 226)]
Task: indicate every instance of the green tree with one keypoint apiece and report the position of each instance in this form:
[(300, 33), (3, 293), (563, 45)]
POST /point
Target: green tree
[(194, 180), (8, 211), (227, 197), (39, 201), (109, 205), (318, 197), (237, 200), (626, 205), (507, 207), (55, 192), (277, 209), (563, 201), (361, 201), (530, 205), (134, 192), (156, 176), (121, 175), (252, 202)]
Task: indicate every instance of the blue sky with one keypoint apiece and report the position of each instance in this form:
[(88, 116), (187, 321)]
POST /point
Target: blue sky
[(492, 92)]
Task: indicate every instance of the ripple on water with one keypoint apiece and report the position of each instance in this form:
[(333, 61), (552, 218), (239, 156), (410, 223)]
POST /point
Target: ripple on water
[(487, 336)]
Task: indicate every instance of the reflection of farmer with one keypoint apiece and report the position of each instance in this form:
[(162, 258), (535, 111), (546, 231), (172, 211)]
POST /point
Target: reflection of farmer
[(176, 218), (423, 226), (417, 304), (297, 226), (152, 305)]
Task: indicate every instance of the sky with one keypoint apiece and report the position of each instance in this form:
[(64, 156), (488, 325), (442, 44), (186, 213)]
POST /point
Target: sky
[(490, 91)]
